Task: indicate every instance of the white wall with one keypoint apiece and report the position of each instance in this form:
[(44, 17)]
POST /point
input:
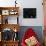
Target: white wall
[(32, 4), (27, 4)]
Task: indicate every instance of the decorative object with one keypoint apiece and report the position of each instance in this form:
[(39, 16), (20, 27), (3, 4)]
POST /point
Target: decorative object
[(29, 12), (15, 30), (13, 12), (15, 37), (5, 12), (15, 34)]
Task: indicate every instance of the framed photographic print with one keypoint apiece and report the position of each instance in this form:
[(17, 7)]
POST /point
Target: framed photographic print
[(5, 12)]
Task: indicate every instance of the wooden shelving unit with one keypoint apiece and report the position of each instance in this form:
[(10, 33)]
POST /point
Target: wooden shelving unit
[(4, 13)]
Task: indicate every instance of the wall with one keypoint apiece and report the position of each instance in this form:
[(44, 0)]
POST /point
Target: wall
[(27, 4), (32, 4)]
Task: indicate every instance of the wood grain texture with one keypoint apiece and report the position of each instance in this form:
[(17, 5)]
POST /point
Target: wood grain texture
[(10, 26)]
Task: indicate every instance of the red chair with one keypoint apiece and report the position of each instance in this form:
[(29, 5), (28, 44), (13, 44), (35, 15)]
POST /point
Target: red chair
[(29, 33)]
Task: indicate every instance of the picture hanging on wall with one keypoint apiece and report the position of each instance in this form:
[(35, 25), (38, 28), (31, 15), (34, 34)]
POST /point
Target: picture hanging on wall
[(29, 12)]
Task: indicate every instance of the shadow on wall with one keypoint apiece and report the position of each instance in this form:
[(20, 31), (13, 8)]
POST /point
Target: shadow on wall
[(37, 29)]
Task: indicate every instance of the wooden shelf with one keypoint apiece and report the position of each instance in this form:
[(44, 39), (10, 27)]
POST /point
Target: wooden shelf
[(9, 43), (11, 26), (3, 8)]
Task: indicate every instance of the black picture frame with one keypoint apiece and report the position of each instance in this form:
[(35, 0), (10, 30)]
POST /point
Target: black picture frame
[(29, 12)]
